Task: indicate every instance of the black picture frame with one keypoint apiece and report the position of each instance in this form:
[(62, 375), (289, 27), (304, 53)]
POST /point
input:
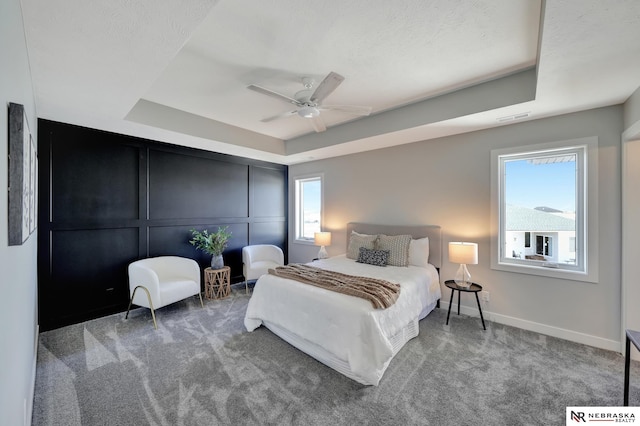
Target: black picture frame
[(23, 166)]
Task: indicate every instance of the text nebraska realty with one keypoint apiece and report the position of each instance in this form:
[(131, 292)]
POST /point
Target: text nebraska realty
[(595, 417)]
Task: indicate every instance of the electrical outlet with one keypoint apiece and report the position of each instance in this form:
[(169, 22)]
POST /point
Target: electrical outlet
[(485, 296)]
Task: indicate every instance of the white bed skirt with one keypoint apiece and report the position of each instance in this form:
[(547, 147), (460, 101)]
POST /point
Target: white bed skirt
[(340, 365)]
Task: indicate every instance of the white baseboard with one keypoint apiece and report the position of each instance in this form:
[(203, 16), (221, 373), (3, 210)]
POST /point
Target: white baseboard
[(548, 330)]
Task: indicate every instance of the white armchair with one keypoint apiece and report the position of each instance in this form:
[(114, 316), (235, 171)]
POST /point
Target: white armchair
[(258, 259), (165, 280)]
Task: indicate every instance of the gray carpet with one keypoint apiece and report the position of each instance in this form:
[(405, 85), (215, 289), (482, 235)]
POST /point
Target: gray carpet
[(202, 368)]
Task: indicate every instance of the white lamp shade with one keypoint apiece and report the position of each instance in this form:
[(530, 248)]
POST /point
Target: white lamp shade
[(322, 238), (464, 253)]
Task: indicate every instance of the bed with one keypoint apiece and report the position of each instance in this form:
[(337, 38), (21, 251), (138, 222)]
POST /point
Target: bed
[(345, 332)]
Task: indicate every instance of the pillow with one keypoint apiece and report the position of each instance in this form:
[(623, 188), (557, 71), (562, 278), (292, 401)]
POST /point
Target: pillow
[(398, 246), (419, 252), (373, 257), (360, 240)]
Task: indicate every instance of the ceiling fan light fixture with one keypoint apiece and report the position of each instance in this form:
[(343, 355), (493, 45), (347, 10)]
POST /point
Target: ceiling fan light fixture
[(308, 112), (308, 101)]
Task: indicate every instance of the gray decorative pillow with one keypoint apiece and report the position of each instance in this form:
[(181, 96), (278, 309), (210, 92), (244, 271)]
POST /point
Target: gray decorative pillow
[(373, 257), (398, 246), (360, 240)]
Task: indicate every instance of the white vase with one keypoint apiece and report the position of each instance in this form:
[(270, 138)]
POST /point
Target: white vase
[(217, 262)]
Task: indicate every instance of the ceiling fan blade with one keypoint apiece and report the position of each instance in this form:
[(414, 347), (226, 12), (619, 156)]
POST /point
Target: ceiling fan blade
[(318, 124), (351, 109), (277, 116), (272, 94), (328, 85)]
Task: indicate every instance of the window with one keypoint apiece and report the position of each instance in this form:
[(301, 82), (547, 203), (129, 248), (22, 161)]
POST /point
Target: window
[(308, 202), (539, 209)]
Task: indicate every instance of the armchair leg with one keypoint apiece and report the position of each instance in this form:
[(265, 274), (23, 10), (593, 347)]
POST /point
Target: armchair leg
[(200, 296), (153, 315), (246, 287)]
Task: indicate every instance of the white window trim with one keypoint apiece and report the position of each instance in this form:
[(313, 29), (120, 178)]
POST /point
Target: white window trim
[(296, 205), (590, 219)]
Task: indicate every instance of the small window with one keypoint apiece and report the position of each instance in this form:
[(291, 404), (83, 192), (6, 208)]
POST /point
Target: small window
[(539, 204), (308, 204)]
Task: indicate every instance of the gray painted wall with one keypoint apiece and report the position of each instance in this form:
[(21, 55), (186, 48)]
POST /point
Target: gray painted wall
[(446, 182), (18, 287), (630, 213), (632, 109)]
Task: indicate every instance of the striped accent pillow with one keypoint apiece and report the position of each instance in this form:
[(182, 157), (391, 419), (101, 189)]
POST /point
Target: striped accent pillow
[(398, 246)]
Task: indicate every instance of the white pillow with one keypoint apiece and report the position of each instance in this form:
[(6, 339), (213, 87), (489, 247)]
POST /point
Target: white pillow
[(419, 252)]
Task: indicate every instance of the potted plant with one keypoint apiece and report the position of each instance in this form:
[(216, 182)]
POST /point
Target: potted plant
[(212, 243)]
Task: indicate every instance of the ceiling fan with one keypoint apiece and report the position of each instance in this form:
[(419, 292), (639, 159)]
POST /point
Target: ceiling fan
[(308, 102)]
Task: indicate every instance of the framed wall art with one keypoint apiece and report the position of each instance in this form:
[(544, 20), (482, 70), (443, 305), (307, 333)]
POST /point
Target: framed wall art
[(23, 167)]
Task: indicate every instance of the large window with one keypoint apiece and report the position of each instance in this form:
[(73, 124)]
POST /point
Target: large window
[(308, 204), (540, 200)]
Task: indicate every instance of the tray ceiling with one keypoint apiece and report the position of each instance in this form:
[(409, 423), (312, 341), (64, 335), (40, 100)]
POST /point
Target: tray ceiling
[(178, 71)]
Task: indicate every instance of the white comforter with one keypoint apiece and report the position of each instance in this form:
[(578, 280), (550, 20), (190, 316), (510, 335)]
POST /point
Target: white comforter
[(347, 327)]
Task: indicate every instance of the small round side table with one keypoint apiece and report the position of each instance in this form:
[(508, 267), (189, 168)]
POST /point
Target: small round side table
[(216, 283), (473, 288)]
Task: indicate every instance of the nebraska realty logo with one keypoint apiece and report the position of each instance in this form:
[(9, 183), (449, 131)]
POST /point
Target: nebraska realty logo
[(602, 414)]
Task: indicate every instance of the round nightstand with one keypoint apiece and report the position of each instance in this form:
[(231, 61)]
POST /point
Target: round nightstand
[(473, 288)]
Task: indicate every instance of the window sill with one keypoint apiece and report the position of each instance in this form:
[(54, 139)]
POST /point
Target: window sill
[(304, 242), (546, 272)]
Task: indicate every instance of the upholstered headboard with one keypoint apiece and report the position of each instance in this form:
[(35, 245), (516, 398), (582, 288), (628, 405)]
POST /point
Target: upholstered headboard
[(416, 231)]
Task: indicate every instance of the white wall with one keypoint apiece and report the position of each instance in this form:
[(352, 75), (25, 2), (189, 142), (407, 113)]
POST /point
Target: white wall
[(446, 181), (18, 287)]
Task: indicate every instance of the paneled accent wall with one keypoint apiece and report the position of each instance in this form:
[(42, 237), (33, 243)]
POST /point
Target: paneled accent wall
[(107, 199)]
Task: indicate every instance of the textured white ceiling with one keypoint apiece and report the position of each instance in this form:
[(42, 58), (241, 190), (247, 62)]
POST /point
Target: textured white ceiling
[(390, 53), (177, 71)]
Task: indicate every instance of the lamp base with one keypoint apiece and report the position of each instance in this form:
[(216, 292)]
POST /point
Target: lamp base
[(463, 277), (322, 254)]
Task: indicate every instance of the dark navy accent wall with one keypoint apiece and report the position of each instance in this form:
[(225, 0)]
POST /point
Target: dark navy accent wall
[(106, 200)]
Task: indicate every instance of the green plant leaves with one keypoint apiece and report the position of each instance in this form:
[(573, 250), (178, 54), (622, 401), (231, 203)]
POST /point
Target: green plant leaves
[(214, 243)]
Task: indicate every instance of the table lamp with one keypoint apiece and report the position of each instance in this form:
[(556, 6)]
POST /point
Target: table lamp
[(464, 254), (322, 239)]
